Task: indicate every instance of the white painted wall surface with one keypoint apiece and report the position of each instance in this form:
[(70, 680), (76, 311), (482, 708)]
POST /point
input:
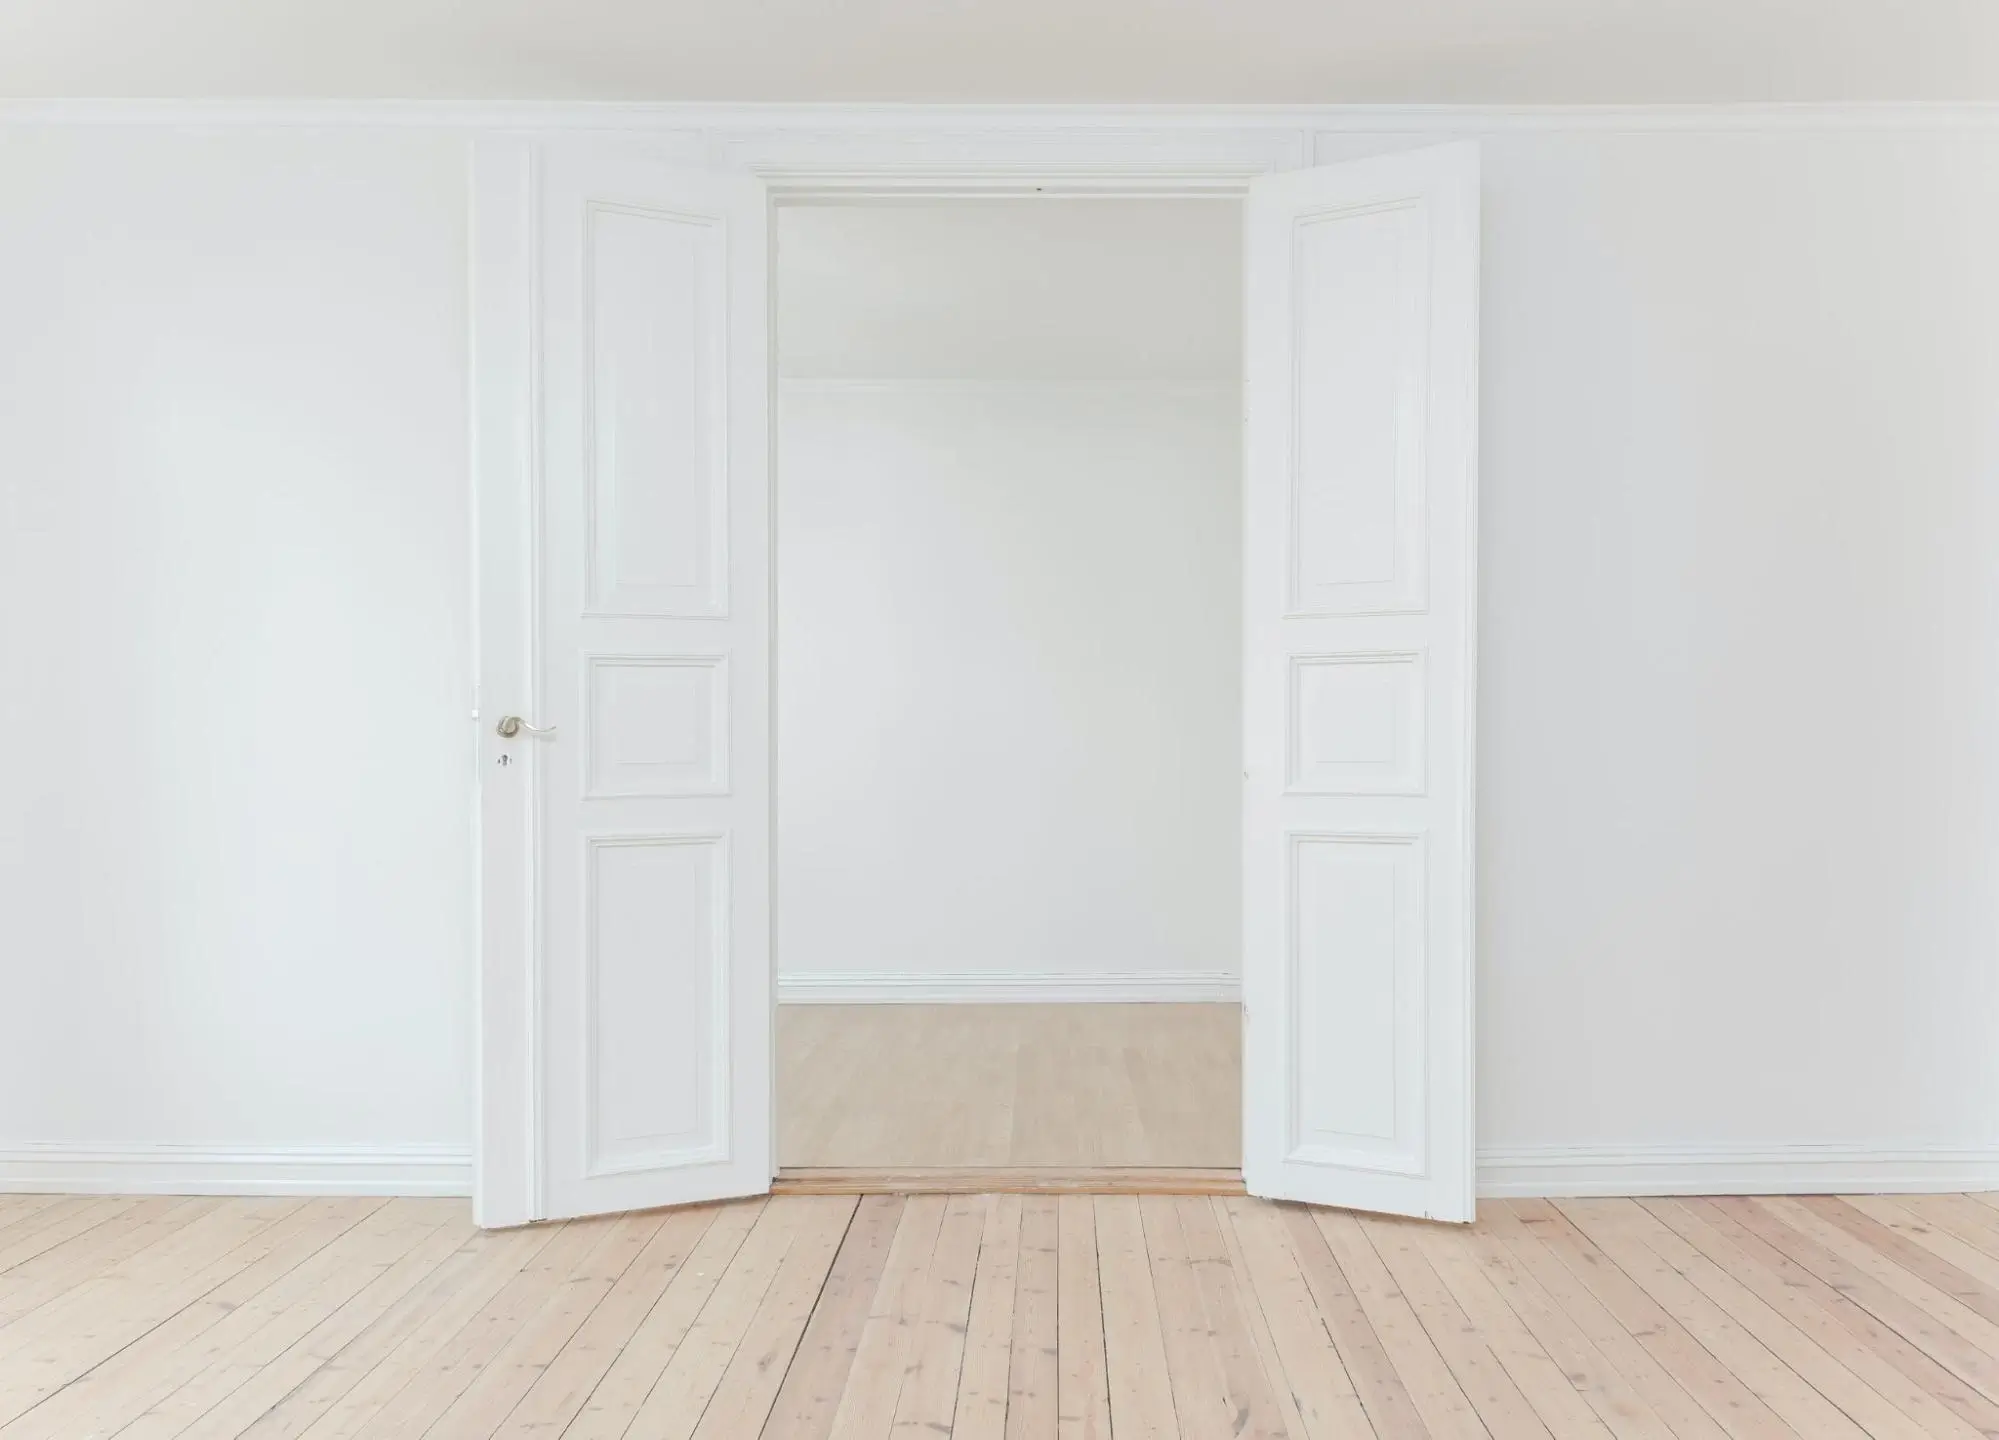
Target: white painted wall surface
[(1008, 708), (1739, 685), (1739, 786), (235, 822), (1009, 615)]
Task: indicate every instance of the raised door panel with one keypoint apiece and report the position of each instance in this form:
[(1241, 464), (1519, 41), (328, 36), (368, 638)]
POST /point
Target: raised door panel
[(658, 725), (1358, 369), (656, 386), (1355, 979), (657, 1002), (1356, 723)]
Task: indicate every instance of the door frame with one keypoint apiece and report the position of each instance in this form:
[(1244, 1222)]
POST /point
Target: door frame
[(797, 166)]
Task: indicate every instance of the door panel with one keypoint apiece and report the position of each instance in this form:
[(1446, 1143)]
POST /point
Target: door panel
[(648, 664), (1360, 648)]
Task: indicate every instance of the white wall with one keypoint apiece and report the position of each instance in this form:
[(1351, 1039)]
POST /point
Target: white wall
[(1009, 615), (1739, 777), (234, 825), (1739, 750)]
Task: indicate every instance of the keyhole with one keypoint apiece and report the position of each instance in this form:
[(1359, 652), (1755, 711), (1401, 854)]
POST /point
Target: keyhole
[(506, 760)]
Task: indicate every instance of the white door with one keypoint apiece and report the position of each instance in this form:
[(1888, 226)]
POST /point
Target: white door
[(1360, 609), (621, 349)]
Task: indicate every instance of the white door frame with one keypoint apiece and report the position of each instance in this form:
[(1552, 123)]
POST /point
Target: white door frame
[(797, 165)]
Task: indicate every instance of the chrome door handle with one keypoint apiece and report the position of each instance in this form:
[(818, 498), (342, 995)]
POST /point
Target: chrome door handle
[(512, 725)]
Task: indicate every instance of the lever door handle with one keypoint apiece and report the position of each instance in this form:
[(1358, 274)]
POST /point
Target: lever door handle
[(512, 725)]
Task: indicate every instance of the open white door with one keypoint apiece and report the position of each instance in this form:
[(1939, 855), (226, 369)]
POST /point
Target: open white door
[(1360, 617), (621, 364)]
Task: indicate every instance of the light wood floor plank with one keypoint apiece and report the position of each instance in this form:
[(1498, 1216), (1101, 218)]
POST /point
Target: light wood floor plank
[(1617, 1403), (1966, 1286), (24, 1214), (1807, 1339), (238, 1338), (1958, 1216), (1960, 1339), (1002, 1316), (609, 1411), (980, 1413), (430, 1394), (118, 1304), (53, 1274), (1141, 1394), (810, 1395), (357, 1396), (1425, 1376), (1247, 1390), (1562, 1408), (742, 1401), (1724, 1395), (1664, 1395), (874, 1385), (986, 1086), (1291, 1419), (502, 1383), (559, 1392), (1907, 1217), (1033, 1379), (1808, 1270), (19, 1247), (1306, 1363), (691, 1379), (1377, 1383), (1737, 1329), (252, 1390), (338, 1398), (929, 1398), (164, 1300), (1200, 1394), (1477, 1370), (1083, 1398)]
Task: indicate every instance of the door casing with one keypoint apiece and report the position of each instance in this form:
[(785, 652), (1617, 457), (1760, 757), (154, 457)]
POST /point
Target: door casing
[(798, 167)]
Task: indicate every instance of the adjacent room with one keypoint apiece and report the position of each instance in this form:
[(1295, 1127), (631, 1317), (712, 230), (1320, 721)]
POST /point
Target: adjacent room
[(1008, 683)]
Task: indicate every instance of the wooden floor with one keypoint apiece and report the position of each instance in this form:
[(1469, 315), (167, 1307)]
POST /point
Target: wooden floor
[(976, 1086), (1001, 1318)]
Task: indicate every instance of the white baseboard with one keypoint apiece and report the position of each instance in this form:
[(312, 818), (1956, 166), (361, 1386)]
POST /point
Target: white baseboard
[(883, 987), (192, 1170), (1550, 1171), (1733, 1170)]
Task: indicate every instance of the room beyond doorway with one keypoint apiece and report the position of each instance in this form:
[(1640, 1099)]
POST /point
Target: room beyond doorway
[(1008, 665), (1069, 1086)]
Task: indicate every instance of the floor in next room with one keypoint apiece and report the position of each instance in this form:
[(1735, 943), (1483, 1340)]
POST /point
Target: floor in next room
[(1046, 1086)]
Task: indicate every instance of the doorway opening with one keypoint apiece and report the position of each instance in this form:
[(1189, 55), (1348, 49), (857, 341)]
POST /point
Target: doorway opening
[(1041, 697), (1008, 685)]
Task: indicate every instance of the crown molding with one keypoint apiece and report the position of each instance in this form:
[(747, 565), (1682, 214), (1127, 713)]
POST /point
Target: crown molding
[(747, 123)]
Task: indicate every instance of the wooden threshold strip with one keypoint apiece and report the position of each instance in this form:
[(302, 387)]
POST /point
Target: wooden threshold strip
[(1019, 1180)]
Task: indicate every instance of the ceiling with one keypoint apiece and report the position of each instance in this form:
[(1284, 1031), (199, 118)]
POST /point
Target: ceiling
[(980, 51)]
